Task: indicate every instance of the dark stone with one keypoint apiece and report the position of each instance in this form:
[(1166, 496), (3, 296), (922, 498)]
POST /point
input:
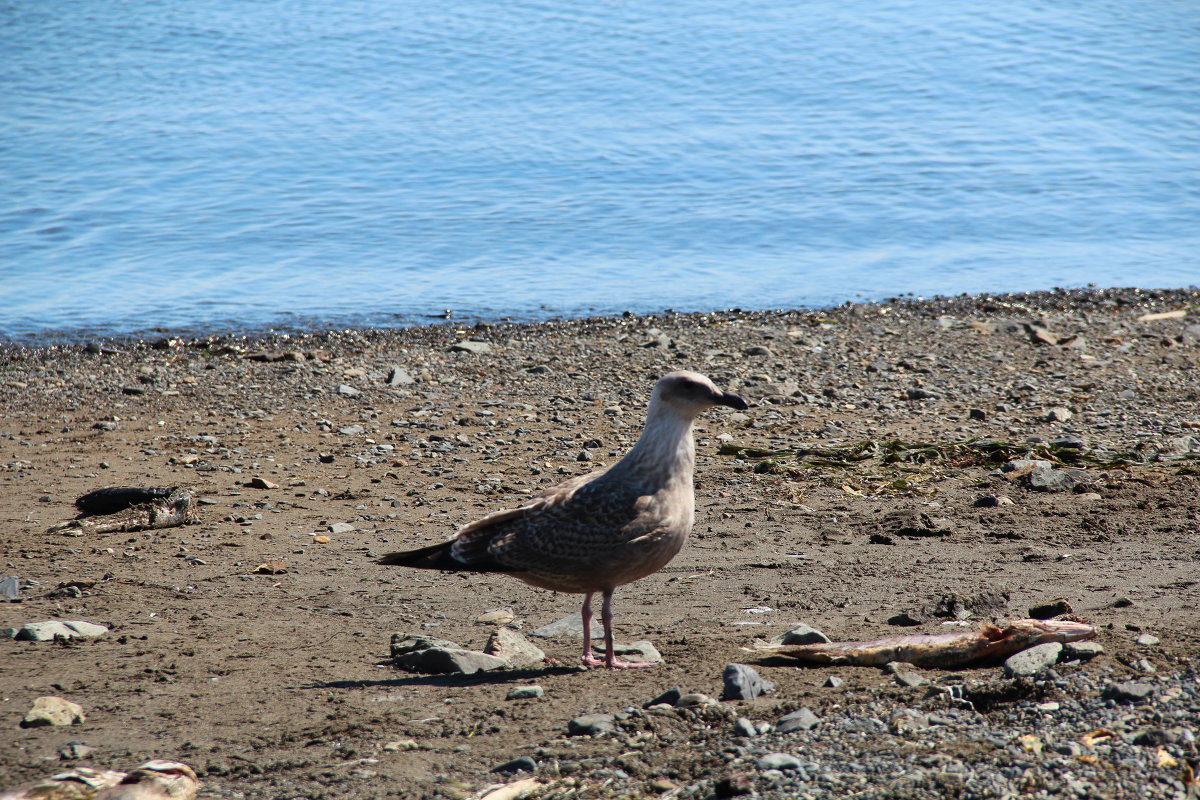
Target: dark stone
[(1152, 737), (977, 413), (669, 698), (1051, 609), (917, 393), (1125, 693), (734, 784), (522, 764)]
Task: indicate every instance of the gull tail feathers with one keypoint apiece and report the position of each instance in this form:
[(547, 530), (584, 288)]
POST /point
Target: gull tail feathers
[(438, 556)]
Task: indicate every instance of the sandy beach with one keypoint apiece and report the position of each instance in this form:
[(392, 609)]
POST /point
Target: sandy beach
[(873, 481)]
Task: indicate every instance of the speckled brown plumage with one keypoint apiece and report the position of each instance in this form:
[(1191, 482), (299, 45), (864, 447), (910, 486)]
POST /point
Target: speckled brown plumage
[(601, 530)]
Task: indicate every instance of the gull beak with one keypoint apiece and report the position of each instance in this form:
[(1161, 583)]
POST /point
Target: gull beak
[(732, 400)]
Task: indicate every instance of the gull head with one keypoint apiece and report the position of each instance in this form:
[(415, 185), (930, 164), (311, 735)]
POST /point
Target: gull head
[(689, 394)]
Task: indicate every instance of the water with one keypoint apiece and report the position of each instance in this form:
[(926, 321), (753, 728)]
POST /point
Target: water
[(227, 163)]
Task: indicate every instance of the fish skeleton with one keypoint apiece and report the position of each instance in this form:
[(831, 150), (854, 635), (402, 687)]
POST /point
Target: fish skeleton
[(946, 650)]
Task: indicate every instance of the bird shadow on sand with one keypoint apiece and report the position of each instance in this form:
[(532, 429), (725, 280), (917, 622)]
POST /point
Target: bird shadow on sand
[(498, 677)]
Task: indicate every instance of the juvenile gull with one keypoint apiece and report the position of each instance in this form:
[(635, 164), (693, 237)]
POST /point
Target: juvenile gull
[(598, 531)]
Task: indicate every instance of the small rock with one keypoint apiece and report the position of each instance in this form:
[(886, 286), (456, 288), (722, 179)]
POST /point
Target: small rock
[(757, 350), (1050, 609), (591, 725), (53, 711), (346, 390), (10, 587), (106, 425), (1047, 479), (783, 761), (800, 720), (401, 745), (918, 393), (834, 682), (695, 700), (398, 376), (496, 616), (261, 483), (1082, 651), (1057, 414), (986, 501), (1151, 737), (351, 430), (670, 697), (744, 728), (1146, 640), (522, 764), (909, 678), (409, 643), (1033, 661), (519, 652), (471, 346), (743, 682), (525, 693), (1122, 602), (801, 633), (73, 750), (734, 785), (341, 527), (1125, 693), (977, 413)]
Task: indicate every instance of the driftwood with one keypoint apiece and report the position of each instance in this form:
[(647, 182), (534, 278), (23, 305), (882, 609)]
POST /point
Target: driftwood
[(168, 510), (984, 645)]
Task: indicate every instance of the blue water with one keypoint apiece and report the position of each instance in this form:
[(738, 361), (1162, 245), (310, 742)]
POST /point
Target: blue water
[(215, 163)]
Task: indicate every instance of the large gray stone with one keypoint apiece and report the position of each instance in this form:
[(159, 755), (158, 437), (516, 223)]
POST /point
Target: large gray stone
[(1033, 661), (55, 629), (779, 761)]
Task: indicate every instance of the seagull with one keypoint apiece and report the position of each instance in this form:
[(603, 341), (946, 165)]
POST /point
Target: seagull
[(598, 531)]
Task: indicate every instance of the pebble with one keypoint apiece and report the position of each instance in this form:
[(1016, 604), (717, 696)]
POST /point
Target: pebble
[(591, 725), (1124, 693), (1033, 661), (1146, 640), (525, 692), (346, 390), (669, 698), (351, 430), (397, 376), (52, 710), (522, 764), (734, 785), (744, 728), (695, 700), (641, 650), (496, 616), (471, 346), (341, 527), (834, 682), (1082, 650), (74, 750), (801, 633), (782, 761), (800, 720), (1050, 609), (742, 682)]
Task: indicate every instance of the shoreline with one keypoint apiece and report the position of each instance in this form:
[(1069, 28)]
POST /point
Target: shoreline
[(846, 497), (1056, 299)]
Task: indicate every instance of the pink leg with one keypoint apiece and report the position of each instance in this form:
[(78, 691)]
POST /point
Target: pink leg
[(589, 660), (610, 658)]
